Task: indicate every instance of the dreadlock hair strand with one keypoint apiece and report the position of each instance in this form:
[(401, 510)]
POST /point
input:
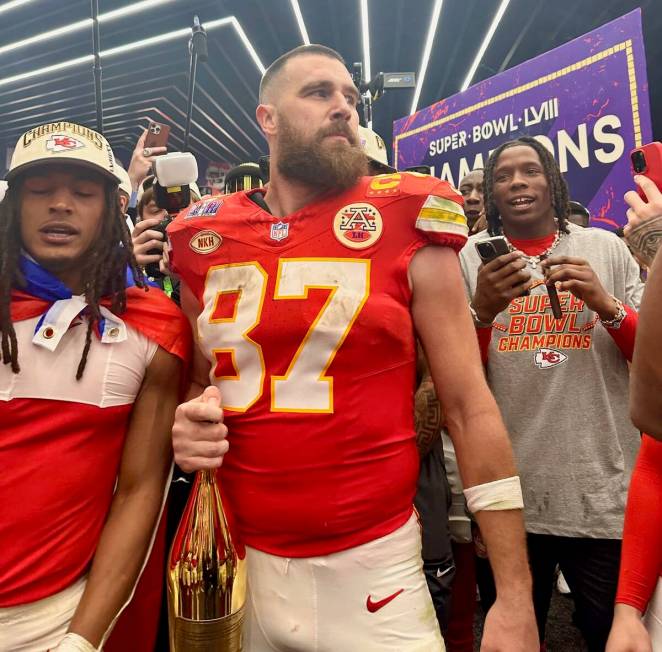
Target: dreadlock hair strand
[(558, 188), (103, 270), (105, 267), (10, 250)]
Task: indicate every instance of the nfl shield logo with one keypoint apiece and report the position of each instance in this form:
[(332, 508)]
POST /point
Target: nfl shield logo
[(279, 231)]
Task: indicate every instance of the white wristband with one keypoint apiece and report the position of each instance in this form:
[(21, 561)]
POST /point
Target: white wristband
[(74, 643), (495, 496)]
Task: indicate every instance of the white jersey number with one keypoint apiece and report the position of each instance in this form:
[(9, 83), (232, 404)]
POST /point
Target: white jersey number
[(305, 386)]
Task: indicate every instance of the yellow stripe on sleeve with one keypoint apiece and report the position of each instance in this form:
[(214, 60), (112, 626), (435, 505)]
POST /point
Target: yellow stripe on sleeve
[(458, 227), (442, 215), (440, 203)]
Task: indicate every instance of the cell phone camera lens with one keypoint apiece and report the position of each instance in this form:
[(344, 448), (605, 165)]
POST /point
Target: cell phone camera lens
[(638, 161)]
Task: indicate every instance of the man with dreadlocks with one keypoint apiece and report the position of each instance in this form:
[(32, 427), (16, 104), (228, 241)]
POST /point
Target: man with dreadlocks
[(88, 389), (561, 384)]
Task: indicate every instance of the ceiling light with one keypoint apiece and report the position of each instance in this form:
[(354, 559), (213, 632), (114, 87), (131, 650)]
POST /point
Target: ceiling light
[(365, 30), (486, 41), (432, 30), (79, 25), (249, 46), (44, 71), (299, 17), (146, 42), (8, 6), (128, 47), (130, 9), (53, 33)]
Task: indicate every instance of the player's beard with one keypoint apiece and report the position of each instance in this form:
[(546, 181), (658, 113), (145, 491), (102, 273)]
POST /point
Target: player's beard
[(316, 162)]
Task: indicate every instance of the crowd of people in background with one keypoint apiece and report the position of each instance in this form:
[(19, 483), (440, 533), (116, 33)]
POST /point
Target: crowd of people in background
[(528, 439)]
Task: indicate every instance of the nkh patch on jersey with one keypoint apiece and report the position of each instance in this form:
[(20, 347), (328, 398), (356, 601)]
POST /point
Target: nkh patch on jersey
[(205, 242)]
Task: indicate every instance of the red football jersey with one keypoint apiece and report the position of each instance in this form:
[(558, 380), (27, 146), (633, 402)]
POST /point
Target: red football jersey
[(305, 321)]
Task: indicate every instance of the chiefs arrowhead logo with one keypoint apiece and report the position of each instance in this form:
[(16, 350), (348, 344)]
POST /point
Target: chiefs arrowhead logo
[(62, 143), (546, 358)]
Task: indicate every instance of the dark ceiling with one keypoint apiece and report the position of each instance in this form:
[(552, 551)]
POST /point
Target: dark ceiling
[(150, 82)]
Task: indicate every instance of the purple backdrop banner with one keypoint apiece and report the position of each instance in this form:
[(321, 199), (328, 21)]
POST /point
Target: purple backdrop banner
[(586, 101)]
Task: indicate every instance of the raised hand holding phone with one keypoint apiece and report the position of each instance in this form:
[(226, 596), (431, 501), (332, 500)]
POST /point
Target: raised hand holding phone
[(142, 159), (647, 160), (643, 231)]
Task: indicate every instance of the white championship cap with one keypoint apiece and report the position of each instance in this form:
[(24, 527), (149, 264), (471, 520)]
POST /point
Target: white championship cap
[(374, 147), (125, 180), (63, 142)]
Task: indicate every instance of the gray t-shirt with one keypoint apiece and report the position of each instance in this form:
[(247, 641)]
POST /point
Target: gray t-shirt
[(562, 387)]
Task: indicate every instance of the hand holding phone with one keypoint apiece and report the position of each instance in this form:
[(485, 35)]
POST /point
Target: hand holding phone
[(492, 248), (143, 157), (502, 278), (647, 160)]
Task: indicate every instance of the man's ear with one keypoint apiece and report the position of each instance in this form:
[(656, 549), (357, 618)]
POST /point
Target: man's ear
[(267, 119)]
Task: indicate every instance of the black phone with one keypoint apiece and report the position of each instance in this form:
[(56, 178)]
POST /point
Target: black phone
[(492, 248), (153, 270)]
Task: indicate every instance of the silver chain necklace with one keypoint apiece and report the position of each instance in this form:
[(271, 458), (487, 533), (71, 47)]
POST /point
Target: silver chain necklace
[(534, 261)]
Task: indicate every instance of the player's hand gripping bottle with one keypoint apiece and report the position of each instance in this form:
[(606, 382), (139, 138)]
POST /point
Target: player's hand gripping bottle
[(206, 576)]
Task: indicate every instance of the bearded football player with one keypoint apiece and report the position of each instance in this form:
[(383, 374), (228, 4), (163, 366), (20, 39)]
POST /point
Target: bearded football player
[(88, 390), (307, 297)]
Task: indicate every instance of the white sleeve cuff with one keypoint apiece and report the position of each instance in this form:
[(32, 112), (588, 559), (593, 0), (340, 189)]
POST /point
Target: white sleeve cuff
[(74, 643), (495, 496)]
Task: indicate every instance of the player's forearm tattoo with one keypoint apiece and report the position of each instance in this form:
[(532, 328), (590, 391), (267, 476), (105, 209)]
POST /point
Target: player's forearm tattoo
[(645, 239), (427, 416)]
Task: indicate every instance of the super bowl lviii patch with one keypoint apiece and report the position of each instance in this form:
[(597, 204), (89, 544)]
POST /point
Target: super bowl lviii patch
[(205, 242), (205, 208), (358, 225)]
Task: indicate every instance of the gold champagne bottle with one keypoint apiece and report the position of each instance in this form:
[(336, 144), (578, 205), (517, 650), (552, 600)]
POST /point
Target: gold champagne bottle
[(206, 576)]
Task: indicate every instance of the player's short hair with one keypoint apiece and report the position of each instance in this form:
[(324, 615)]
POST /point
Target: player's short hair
[(273, 71)]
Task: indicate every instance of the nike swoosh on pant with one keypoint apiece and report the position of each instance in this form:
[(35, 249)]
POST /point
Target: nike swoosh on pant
[(376, 606)]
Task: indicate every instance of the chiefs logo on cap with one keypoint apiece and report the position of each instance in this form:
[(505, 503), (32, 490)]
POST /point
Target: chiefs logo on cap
[(62, 143), (358, 225)]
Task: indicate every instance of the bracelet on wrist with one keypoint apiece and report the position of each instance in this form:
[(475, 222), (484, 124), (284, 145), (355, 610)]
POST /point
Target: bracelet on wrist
[(617, 320), (478, 322)]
